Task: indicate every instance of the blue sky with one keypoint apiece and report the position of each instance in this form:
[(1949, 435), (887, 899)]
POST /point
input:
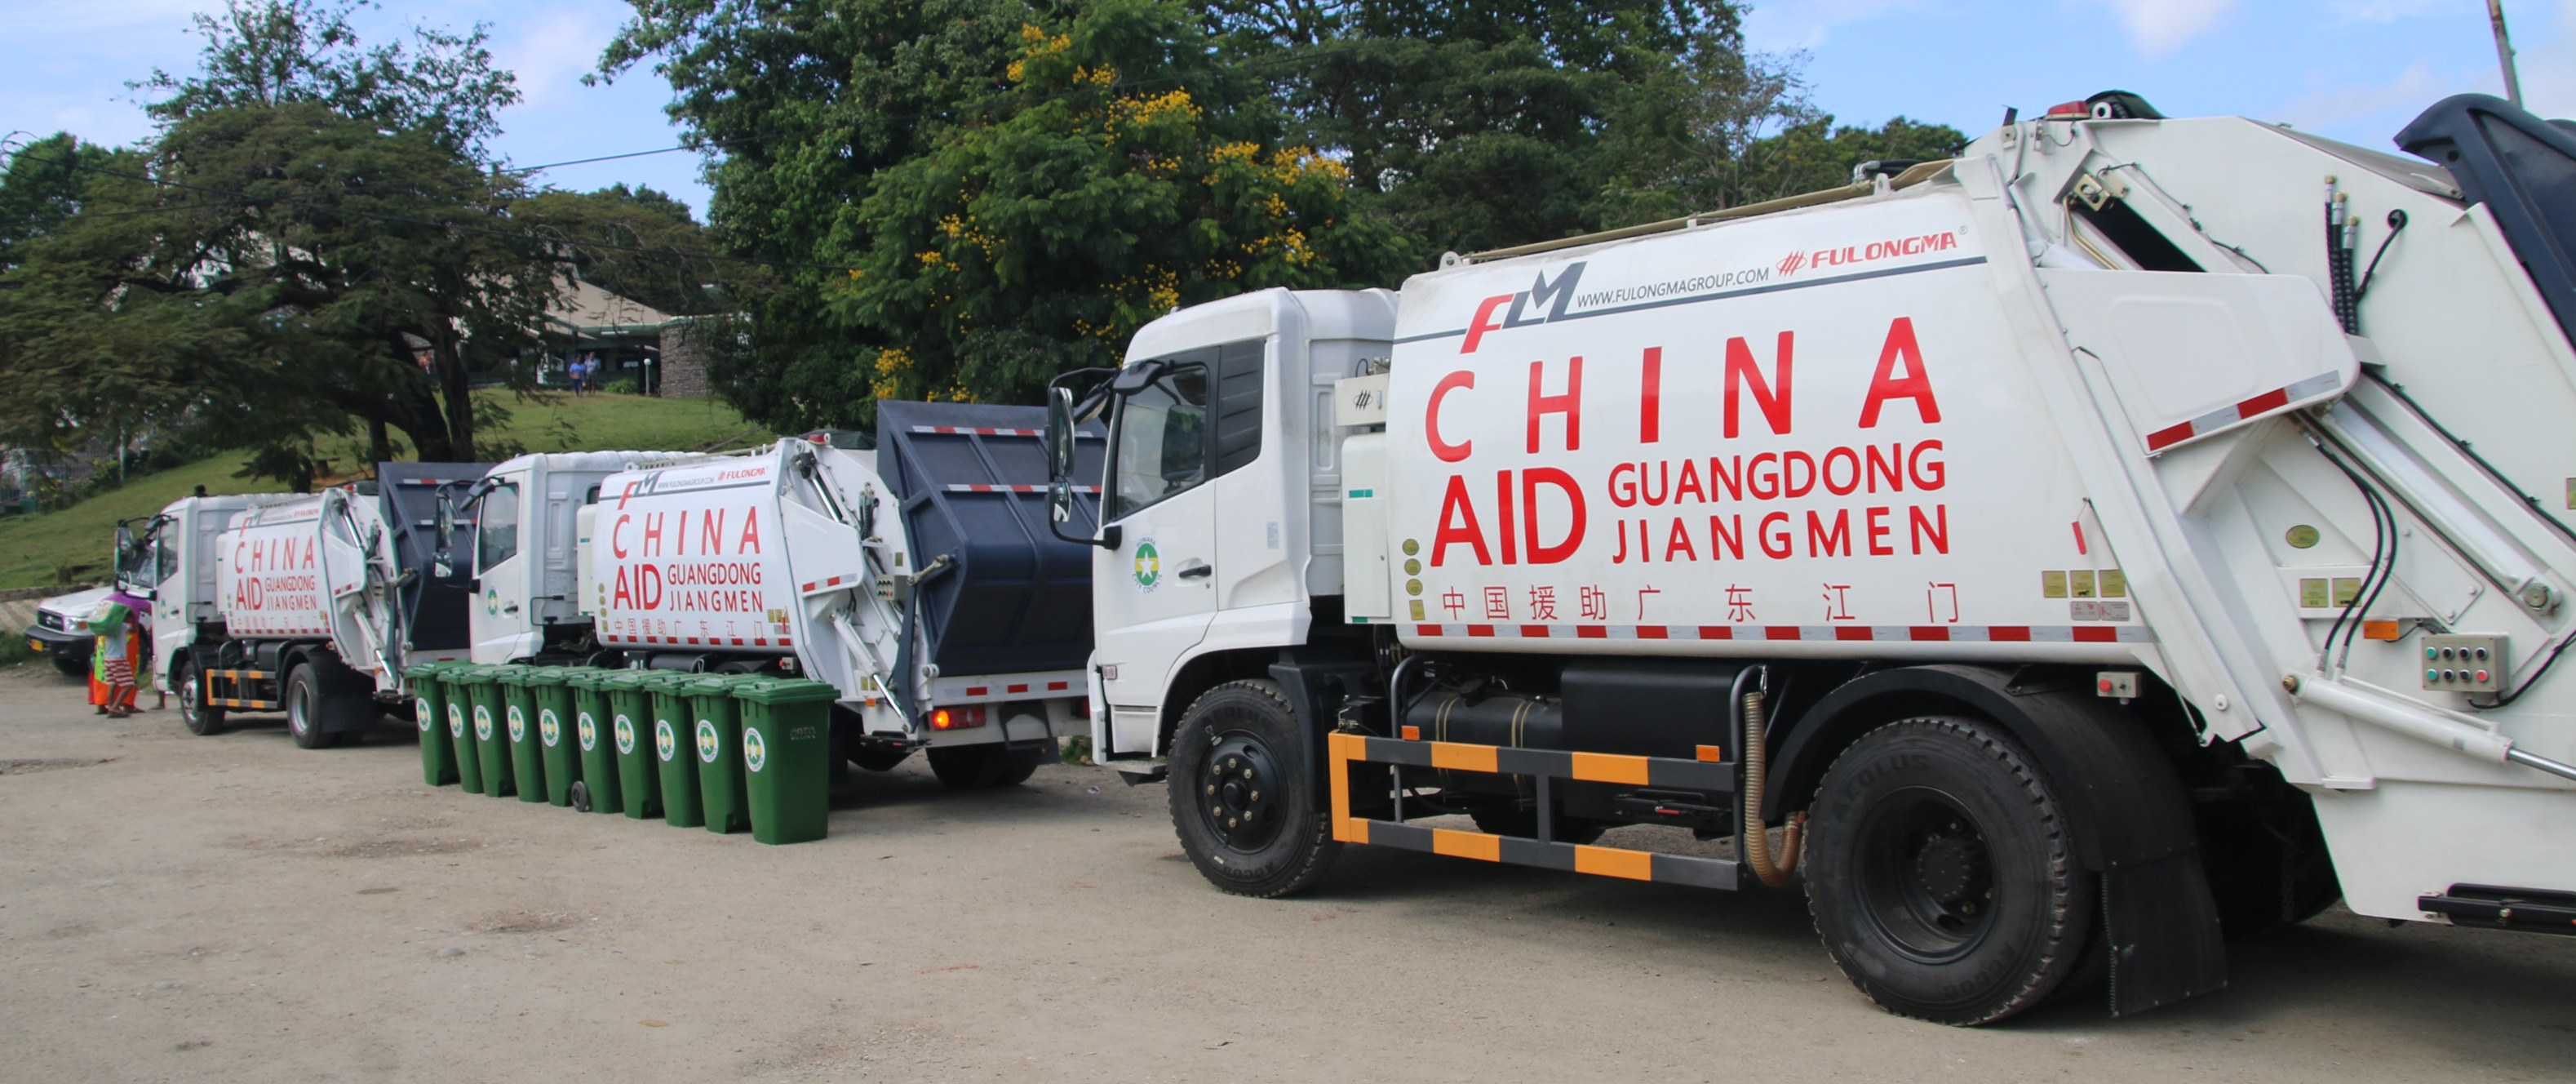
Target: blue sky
[(2351, 69)]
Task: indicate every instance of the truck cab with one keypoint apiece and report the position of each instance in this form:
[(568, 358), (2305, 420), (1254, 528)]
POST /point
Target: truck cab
[(1222, 513), (524, 551)]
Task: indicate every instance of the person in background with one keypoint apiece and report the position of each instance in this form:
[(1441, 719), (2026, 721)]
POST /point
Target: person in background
[(113, 624)]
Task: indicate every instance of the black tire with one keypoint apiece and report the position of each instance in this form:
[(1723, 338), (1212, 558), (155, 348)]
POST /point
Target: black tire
[(303, 703), (1016, 769), (68, 666), (1244, 800), (200, 718), (967, 767), (1942, 875), (880, 757), (1520, 821)]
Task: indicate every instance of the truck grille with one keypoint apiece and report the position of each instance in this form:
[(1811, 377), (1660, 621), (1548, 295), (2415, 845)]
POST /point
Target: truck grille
[(49, 620)]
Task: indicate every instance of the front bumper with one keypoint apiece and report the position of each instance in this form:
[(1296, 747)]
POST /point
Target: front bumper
[(59, 644)]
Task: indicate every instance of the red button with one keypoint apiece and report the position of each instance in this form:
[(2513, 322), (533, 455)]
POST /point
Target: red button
[(2482, 675)]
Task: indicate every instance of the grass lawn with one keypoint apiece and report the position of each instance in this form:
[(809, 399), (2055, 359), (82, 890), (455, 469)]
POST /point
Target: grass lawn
[(33, 549)]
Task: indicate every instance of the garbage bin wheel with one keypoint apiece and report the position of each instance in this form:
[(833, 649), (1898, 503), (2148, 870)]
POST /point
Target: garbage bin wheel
[(965, 767), (580, 796), (199, 717), (304, 709)]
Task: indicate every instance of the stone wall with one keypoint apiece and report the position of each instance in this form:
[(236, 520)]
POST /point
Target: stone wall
[(684, 362)]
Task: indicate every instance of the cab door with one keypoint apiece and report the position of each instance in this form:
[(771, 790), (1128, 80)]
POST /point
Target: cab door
[(503, 628), (1157, 588)]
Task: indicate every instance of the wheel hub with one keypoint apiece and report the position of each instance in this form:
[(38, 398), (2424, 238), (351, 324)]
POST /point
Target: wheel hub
[(1239, 792), (1927, 875), (1948, 866)]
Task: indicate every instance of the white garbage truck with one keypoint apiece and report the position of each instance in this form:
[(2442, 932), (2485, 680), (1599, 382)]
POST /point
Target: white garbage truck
[(921, 577), (2133, 531)]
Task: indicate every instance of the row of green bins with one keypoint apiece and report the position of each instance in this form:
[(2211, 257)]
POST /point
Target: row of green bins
[(726, 752)]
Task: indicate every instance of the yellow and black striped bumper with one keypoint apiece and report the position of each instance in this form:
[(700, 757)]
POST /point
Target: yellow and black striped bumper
[(1346, 750)]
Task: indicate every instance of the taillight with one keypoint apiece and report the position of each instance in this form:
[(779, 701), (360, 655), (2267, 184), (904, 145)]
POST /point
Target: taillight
[(957, 718)]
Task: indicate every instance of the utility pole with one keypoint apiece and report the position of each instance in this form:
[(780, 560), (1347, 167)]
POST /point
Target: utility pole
[(2504, 53)]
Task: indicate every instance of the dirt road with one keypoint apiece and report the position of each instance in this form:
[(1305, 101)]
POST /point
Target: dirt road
[(233, 908)]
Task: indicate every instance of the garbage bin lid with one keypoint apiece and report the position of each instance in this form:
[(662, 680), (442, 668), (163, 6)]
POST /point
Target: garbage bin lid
[(622, 679), (584, 677), (472, 674), (512, 674), (666, 681), (787, 691), (715, 684), (430, 669)]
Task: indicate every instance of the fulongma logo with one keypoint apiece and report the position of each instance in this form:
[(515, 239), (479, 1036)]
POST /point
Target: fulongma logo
[(482, 722), (665, 743), (518, 725), (427, 717), (755, 749), (625, 729), (1790, 263), (588, 730), (549, 728), (1553, 296), (456, 719), (709, 745), (1149, 565)]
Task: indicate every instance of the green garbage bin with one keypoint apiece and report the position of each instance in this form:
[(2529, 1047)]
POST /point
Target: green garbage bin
[(591, 741), (787, 756), (429, 713), (674, 752), (630, 733), (527, 764), (716, 730), (554, 737), (485, 709)]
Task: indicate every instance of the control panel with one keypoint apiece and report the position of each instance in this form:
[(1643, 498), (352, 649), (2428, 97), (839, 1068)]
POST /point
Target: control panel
[(2463, 664)]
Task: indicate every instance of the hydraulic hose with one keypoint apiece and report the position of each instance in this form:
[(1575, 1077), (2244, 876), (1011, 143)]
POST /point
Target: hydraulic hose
[(1757, 839)]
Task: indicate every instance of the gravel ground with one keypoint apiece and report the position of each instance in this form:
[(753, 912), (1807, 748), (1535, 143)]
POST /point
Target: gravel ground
[(234, 908)]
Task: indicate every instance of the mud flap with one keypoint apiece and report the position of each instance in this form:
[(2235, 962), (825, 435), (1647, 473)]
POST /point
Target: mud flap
[(2162, 931)]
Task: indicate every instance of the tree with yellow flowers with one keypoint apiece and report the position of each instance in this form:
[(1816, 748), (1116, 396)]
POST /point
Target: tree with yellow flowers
[(1123, 172)]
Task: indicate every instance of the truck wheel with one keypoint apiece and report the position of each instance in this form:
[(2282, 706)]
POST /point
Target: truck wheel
[(194, 713), (70, 667), (304, 709), (1243, 797), (1941, 873)]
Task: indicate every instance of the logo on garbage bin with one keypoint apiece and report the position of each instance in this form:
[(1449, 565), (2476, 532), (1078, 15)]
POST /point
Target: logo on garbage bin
[(456, 720), (625, 730), (549, 728), (482, 722), (518, 725), (665, 743), (755, 749), (708, 743), (427, 717), (589, 732)]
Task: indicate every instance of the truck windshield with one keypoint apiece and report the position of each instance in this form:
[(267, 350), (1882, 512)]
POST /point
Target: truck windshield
[(1162, 445), (496, 535)]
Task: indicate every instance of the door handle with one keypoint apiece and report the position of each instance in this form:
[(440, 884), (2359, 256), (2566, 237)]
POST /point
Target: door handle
[(1195, 570), (510, 609)]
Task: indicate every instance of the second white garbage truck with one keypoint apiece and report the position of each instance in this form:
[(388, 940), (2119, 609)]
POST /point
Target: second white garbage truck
[(2131, 530)]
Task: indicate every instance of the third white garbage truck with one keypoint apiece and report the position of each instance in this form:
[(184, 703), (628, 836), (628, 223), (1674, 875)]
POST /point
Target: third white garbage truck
[(2129, 530)]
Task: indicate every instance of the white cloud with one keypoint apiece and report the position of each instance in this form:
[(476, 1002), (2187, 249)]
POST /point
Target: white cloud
[(2158, 27), (2340, 111), (551, 50), (2389, 11), (1805, 24)]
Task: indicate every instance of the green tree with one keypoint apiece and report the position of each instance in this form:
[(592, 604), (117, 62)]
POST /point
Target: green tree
[(642, 244), (42, 187), (1123, 174), (273, 52)]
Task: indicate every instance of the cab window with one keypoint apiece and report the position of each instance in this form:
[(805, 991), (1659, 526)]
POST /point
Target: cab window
[(1162, 447), (496, 529)]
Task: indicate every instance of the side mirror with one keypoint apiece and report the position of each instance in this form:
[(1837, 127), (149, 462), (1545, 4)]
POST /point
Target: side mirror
[(440, 564), (1059, 444)]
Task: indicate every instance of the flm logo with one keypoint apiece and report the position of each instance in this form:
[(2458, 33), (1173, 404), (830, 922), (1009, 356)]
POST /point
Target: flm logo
[(427, 717), (482, 722), (518, 724), (549, 728), (1149, 565), (625, 729), (755, 749), (709, 744), (588, 729), (665, 743), (456, 720)]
